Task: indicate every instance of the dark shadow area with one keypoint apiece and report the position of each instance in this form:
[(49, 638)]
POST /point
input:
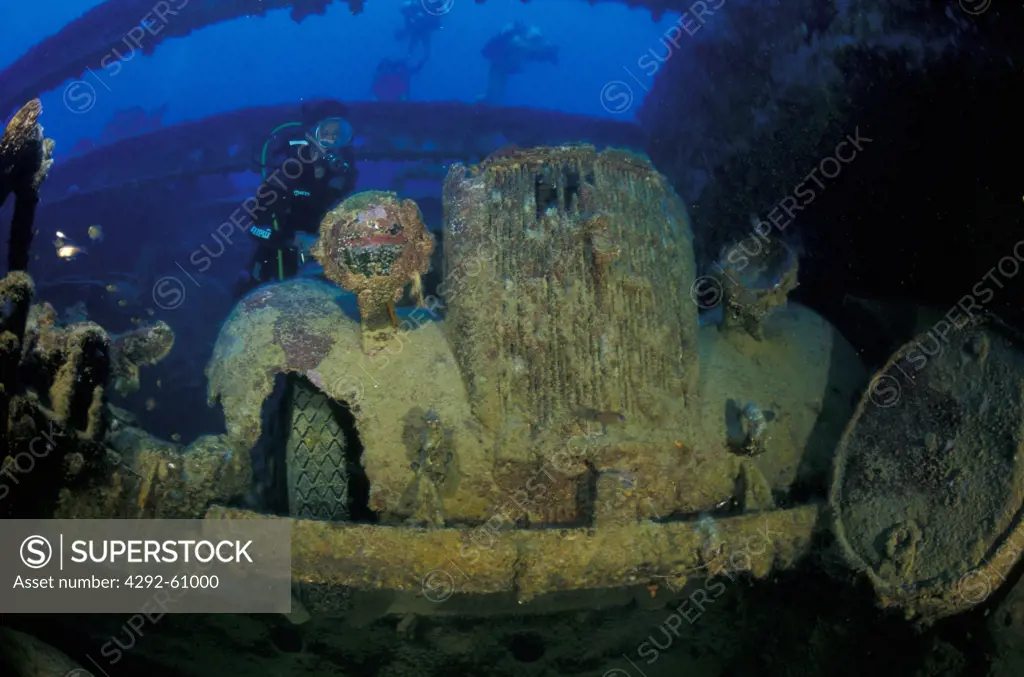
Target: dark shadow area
[(526, 647), (270, 492), (358, 482), (813, 475), (932, 206)]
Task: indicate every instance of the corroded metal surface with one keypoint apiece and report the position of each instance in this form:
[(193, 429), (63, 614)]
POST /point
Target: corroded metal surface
[(389, 394), (564, 391), (568, 273), (653, 473), (532, 563), (803, 375), (54, 454), (25, 160), (289, 327), (298, 327), (757, 276), (143, 477), (375, 245), (140, 347), (929, 479)]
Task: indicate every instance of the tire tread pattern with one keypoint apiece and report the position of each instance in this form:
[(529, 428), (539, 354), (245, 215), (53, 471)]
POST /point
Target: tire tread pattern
[(315, 458)]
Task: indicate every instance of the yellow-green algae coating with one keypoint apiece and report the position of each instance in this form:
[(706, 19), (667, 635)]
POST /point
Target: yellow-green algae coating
[(276, 329)]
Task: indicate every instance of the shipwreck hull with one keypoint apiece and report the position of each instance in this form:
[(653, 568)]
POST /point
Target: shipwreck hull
[(232, 142)]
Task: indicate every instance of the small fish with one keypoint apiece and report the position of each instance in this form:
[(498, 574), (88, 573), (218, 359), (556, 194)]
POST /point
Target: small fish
[(150, 404), (175, 437), (111, 288), (159, 384), (136, 321), (69, 252), (122, 303), (95, 233), (66, 247), (149, 311)]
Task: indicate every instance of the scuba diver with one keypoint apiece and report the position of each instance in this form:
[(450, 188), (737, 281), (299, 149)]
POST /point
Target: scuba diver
[(325, 136), (392, 78), (419, 25), (509, 51)]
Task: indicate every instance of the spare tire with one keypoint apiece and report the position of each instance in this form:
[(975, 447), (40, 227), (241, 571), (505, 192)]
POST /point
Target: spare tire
[(928, 487), (315, 461)]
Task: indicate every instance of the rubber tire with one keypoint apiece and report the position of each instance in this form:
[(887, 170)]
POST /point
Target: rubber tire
[(315, 463)]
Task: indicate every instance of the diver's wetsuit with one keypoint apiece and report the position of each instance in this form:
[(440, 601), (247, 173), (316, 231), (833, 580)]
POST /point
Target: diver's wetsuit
[(509, 51), (419, 25), (299, 205)]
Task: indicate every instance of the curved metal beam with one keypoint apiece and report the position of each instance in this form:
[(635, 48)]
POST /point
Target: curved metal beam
[(231, 142), (98, 39), (528, 564)]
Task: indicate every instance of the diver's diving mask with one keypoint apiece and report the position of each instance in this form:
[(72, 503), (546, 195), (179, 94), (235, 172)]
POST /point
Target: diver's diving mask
[(333, 134)]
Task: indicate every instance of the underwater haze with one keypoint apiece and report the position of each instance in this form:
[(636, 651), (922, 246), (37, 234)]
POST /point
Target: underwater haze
[(582, 338), (261, 60)]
